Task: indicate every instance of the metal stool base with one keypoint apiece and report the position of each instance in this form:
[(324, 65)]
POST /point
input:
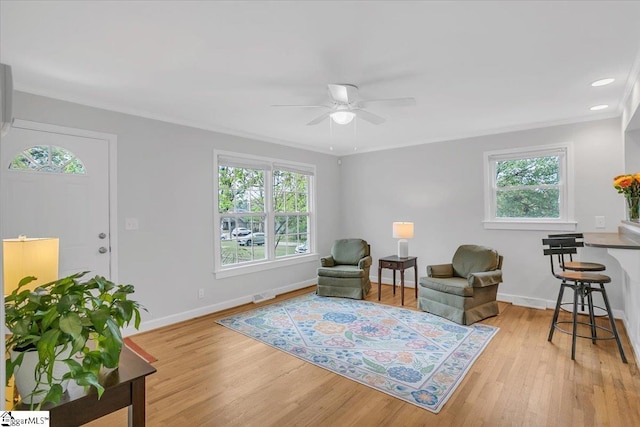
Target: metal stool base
[(583, 290)]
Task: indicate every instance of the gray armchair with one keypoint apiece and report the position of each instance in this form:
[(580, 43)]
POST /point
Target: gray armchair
[(464, 291), (346, 272)]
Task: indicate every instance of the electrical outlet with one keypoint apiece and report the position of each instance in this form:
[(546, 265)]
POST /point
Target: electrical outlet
[(201, 293), (600, 222)]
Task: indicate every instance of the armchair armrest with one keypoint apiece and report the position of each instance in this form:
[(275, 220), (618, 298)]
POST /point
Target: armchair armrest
[(327, 261), (485, 278), (365, 262), (442, 271)]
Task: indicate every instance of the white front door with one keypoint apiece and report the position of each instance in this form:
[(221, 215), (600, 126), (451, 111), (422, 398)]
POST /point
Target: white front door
[(46, 203)]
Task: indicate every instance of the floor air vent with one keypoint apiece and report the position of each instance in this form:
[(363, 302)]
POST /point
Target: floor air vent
[(263, 297)]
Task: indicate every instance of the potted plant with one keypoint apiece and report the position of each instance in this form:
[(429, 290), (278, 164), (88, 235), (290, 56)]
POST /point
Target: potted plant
[(66, 323)]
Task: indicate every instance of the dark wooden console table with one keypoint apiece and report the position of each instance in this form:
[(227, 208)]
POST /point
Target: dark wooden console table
[(396, 263), (124, 387)]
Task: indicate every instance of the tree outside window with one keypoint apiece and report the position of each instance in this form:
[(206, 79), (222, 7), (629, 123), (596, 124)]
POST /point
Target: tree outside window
[(263, 210), (529, 186)]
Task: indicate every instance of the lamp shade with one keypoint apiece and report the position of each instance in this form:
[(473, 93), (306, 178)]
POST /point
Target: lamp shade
[(24, 257), (403, 230)]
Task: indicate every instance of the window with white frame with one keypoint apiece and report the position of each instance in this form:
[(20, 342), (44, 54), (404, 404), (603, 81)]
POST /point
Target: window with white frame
[(529, 188), (263, 210)]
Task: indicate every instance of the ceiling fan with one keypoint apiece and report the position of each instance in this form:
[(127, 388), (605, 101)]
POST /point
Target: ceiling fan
[(345, 105)]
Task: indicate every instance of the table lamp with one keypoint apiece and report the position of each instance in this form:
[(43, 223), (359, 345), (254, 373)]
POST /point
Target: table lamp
[(24, 257), (403, 231)]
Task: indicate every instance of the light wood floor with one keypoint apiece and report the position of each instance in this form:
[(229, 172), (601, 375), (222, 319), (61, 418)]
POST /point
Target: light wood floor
[(209, 375)]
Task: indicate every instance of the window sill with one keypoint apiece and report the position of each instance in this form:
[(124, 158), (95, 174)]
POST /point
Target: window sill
[(262, 266), (531, 225)]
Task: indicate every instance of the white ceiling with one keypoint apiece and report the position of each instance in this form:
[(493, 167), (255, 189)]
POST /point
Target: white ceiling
[(473, 67)]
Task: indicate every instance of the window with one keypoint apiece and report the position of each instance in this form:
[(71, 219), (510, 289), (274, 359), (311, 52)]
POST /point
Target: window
[(529, 188), (47, 158), (263, 213)]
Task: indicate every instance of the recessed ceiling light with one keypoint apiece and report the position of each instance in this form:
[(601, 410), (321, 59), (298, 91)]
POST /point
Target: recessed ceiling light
[(599, 107), (602, 82)]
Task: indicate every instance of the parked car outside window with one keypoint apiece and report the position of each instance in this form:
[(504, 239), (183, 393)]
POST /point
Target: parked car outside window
[(240, 231), (251, 239), (302, 249)]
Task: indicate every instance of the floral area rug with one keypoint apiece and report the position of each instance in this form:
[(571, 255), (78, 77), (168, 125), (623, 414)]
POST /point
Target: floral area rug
[(414, 356)]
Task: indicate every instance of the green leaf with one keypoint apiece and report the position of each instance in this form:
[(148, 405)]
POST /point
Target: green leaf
[(11, 365), (47, 346), (349, 335), (71, 324), (49, 317), (89, 378), (53, 395), (374, 366), (99, 318)]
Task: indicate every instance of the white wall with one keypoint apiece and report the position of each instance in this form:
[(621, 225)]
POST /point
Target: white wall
[(165, 179), (632, 151), (439, 187)]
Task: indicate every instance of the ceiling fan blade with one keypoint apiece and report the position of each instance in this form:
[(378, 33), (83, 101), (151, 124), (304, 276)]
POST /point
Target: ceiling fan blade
[(302, 106), (319, 118), (394, 102), (369, 117), (343, 93)]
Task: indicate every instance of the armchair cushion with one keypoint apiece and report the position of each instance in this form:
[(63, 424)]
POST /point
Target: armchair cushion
[(342, 270), (451, 285), (349, 251), (472, 258)]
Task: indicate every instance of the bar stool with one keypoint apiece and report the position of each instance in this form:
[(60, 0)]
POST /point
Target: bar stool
[(574, 240), (576, 243), (582, 284)]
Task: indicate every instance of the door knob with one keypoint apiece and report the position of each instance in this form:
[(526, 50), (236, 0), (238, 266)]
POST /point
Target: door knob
[(102, 250), (102, 235)]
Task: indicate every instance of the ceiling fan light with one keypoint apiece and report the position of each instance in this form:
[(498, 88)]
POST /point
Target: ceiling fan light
[(342, 117)]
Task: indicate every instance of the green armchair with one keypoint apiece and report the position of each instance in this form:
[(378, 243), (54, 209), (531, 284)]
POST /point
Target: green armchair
[(464, 291), (346, 272)]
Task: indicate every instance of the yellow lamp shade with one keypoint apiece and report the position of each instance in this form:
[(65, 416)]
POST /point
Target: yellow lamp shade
[(24, 257)]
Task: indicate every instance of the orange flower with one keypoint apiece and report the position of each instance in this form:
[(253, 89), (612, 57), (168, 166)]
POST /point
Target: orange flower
[(629, 185), (623, 181)]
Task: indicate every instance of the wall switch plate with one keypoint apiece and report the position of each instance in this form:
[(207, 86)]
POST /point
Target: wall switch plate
[(600, 222), (201, 293), (131, 223)]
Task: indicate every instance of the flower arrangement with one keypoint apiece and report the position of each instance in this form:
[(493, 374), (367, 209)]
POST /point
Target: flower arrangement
[(629, 185)]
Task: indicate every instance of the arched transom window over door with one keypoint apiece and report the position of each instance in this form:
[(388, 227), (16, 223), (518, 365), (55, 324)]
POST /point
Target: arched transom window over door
[(48, 158)]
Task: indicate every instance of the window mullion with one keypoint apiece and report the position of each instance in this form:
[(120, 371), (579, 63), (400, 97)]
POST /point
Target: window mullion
[(270, 216)]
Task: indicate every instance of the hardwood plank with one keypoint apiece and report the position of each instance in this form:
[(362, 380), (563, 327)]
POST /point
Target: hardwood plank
[(209, 375)]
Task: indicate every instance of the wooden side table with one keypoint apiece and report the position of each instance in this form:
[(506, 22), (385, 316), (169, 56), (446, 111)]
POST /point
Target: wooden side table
[(394, 263), (124, 387)]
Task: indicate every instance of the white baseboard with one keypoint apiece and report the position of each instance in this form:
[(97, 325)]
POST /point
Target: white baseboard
[(201, 311), (542, 304)]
